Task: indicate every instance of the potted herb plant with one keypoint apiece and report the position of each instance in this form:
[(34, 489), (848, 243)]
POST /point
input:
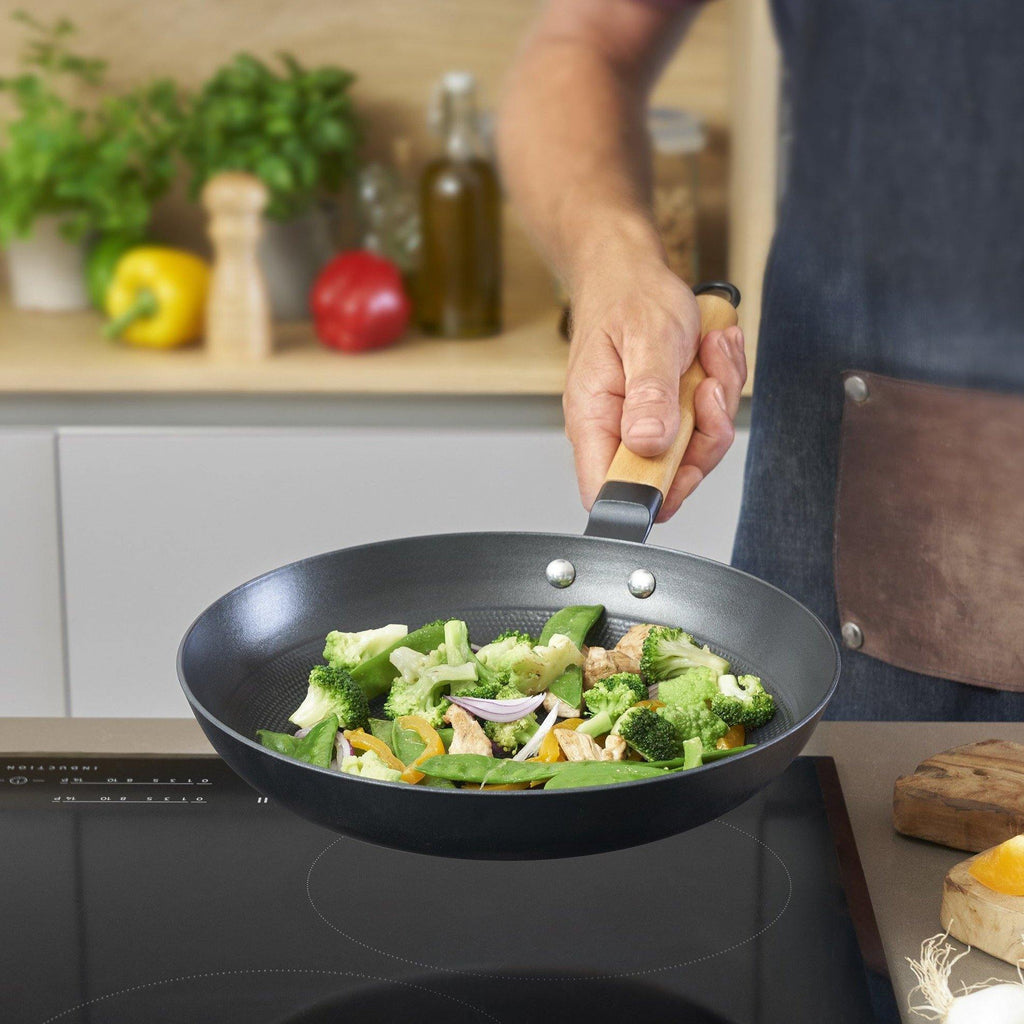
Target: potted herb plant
[(296, 129), (70, 173)]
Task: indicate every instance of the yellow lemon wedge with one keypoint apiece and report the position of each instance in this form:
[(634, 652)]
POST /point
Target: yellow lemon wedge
[(1001, 868)]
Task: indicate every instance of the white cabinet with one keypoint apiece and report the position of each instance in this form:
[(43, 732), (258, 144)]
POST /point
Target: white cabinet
[(158, 523), (31, 625)]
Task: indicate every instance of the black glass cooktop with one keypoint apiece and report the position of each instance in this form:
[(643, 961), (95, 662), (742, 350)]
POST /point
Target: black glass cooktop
[(140, 889)]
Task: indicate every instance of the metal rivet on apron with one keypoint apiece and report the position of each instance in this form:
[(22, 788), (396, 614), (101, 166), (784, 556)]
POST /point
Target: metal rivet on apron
[(560, 573), (856, 388), (641, 583), (853, 635)]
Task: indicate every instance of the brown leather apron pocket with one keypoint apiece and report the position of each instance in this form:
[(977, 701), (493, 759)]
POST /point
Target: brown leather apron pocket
[(929, 532)]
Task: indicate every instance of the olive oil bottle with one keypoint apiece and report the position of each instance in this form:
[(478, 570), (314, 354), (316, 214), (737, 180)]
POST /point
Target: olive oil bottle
[(459, 291)]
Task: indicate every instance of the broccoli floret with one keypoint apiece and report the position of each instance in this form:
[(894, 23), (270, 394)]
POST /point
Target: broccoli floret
[(608, 699), (667, 652), (456, 642), (369, 766), (332, 691), (488, 690), (743, 701), (695, 721), (650, 735), (691, 686), (422, 680), (516, 634), (532, 669), (693, 753), (346, 650), (510, 736)]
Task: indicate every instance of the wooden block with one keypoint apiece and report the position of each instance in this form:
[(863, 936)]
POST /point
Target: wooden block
[(969, 798), (982, 918)]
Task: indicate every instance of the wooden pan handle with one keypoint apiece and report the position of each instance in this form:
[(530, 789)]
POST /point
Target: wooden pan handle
[(716, 313)]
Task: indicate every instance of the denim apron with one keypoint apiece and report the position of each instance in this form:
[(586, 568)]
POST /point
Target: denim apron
[(899, 251)]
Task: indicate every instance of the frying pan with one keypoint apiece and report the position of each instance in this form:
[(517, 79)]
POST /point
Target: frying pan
[(243, 663)]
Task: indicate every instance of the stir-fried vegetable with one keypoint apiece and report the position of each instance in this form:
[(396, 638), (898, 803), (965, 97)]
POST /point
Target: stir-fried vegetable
[(681, 710)]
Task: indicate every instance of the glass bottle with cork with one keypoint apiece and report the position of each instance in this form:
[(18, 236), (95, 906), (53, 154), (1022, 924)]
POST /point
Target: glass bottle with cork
[(459, 288)]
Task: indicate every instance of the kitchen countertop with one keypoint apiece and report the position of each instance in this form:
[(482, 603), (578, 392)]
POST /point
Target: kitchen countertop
[(904, 875)]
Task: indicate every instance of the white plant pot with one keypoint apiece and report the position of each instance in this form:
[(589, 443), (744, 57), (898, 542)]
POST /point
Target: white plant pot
[(291, 254), (46, 271)]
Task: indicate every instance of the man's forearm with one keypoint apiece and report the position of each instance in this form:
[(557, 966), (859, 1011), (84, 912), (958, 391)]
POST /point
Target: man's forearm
[(573, 142)]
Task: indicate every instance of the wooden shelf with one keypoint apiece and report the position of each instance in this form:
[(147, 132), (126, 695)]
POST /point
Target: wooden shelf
[(65, 353)]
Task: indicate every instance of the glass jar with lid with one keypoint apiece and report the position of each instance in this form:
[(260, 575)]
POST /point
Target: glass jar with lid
[(677, 138)]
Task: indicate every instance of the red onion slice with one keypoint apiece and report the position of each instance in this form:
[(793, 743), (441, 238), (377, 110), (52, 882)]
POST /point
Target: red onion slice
[(533, 746), (499, 710), (342, 747)]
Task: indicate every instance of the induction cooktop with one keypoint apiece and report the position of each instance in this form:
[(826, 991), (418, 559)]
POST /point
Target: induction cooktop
[(138, 889)]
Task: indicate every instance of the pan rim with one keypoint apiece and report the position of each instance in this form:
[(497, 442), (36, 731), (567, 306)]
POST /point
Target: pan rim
[(800, 724)]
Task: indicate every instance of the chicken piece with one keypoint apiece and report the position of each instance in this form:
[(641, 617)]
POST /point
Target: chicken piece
[(631, 644), (564, 710), (469, 737), (599, 663), (577, 746), (614, 748)]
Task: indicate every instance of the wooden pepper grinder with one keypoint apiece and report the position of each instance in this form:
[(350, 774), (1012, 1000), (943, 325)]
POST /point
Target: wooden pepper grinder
[(237, 310)]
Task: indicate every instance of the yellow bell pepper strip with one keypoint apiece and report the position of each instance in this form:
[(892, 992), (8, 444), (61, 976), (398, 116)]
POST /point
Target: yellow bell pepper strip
[(157, 297), (549, 750), (652, 704), (735, 737), (426, 732), (508, 785), (362, 740)]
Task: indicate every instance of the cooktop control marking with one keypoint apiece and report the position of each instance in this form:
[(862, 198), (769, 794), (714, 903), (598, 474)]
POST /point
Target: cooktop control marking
[(163, 801)]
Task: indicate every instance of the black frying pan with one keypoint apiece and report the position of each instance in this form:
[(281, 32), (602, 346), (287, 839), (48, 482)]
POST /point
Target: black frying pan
[(243, 664)]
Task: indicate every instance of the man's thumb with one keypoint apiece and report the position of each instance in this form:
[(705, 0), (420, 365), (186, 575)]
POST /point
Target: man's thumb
[(650, 412)]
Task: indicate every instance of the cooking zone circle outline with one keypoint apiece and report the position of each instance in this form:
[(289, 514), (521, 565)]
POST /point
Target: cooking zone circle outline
[(161, 982), (610, 975)]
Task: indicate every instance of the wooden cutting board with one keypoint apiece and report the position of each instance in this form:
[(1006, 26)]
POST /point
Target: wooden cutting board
[(970, 797), (982, 918)]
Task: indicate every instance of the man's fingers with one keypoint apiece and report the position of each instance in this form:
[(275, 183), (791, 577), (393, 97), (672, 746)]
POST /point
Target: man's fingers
[(712, 436), (722, 356), (685, 483)]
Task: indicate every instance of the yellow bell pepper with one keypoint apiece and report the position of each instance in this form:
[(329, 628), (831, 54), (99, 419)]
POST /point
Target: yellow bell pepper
[(549, 750), (157, 297), (735, 737), (434, 744), (362, 740)]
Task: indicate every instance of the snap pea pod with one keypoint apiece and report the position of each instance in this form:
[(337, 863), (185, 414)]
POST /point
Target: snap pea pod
[(480, 769), (376, 674), (602, 773), (575, 622), (316, 747), (569, 686), (717, 755)]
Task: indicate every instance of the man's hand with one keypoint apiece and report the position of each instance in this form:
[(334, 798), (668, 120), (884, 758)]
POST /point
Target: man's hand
[(636, 329)]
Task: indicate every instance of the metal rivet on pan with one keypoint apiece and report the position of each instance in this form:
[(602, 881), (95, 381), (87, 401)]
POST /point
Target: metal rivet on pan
[(856, 388), (560, 573), (853, 635), (642, 583)]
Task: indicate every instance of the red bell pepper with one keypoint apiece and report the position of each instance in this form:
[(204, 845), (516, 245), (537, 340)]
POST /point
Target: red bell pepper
[(359, 302)]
